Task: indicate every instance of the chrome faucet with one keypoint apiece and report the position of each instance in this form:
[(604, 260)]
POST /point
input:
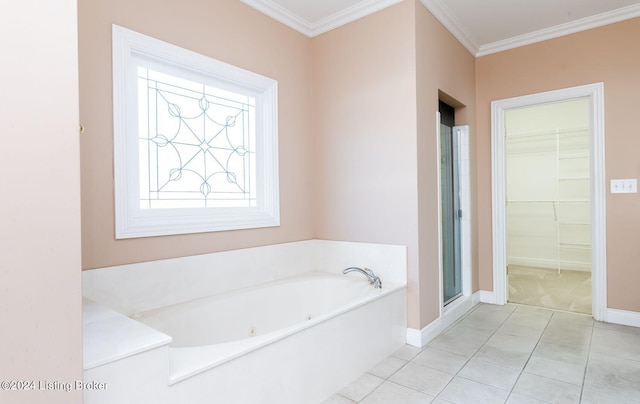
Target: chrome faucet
[(373, 278)]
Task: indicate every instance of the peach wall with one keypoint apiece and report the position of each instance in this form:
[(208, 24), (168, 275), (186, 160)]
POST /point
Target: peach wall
[(376, 93), (40, 302), (365, 134), (608, 54), (443, 64), (228, 31)]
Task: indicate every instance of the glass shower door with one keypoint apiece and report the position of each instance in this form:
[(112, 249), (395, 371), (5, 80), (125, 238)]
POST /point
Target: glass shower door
[(451, 214)]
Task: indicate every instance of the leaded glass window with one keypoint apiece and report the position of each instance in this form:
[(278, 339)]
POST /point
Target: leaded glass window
[(195, 141), (197, 144)]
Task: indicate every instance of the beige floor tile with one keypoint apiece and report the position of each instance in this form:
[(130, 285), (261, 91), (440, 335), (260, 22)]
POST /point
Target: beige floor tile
[(590, 396), (387, 367), (441, 360), (561, 353), (487, 318), (530, 316), (488, 373), (390, 392), (547, 390), (465, 391), (521, 330), (460, 340), (516, 399), (615, 343), (533, 311), (613, 376), (557, 370), (617, 327), (338, 399), (516, 343), (359, 389), (492, 309), (418, 377), (573, 336), (488, 326), (407, 352), (507, 350), (563, 318), (459, 330), (502, 356)]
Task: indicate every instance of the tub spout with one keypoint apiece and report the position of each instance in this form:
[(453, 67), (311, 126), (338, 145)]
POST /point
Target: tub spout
[(373, 278)]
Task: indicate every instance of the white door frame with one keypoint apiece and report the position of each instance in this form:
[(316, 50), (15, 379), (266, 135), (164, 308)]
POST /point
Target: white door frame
[(595, 92)]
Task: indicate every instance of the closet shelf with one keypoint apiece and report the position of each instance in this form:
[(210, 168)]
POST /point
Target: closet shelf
[(576, 245), (508, 202), (554, 227), (574, 156), (553, 201)]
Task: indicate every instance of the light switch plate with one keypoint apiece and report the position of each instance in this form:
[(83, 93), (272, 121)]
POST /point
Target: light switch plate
[(624, 186)]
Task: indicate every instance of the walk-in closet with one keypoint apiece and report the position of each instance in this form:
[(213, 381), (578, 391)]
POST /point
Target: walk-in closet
[(548, 205)]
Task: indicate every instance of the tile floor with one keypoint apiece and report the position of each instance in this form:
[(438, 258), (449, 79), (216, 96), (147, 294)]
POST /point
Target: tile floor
[(564, 290), (510, 354)]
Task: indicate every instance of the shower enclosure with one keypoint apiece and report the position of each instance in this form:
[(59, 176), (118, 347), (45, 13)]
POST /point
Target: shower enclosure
[(450, 206)]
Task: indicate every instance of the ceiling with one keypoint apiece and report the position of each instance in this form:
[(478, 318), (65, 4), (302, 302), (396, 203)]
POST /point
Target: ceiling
[(482, 26)]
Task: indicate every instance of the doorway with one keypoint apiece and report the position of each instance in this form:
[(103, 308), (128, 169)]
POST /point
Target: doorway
[(548, 217), (594, 94)]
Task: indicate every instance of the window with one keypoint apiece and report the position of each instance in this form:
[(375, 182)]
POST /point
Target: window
[(195, 141)]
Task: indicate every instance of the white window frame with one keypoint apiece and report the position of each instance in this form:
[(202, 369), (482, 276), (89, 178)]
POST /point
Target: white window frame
[(130, 219)]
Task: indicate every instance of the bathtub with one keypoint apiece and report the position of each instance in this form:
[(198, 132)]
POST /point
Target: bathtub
[(210, 331), (300, 338)]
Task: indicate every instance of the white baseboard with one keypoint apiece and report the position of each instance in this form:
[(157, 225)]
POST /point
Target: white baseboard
[(623, 317), (414, 337), (450, 315), (487, 296), (420, 338)]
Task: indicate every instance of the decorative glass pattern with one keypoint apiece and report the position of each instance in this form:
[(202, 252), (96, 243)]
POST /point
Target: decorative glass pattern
[(196, 143)]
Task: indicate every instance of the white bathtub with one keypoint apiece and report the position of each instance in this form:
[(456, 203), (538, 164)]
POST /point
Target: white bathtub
[(298, 339), (210, 331)]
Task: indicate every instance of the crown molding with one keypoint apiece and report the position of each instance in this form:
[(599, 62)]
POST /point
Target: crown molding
[(311, 29), (446, 18), (452, 24), (281, 14), (583, 24), (351, 14)]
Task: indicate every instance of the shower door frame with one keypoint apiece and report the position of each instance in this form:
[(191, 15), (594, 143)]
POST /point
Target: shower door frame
[(463, 302), (595, 93)]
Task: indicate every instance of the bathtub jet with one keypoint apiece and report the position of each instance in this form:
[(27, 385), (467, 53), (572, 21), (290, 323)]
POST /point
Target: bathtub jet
[(373, 278)]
